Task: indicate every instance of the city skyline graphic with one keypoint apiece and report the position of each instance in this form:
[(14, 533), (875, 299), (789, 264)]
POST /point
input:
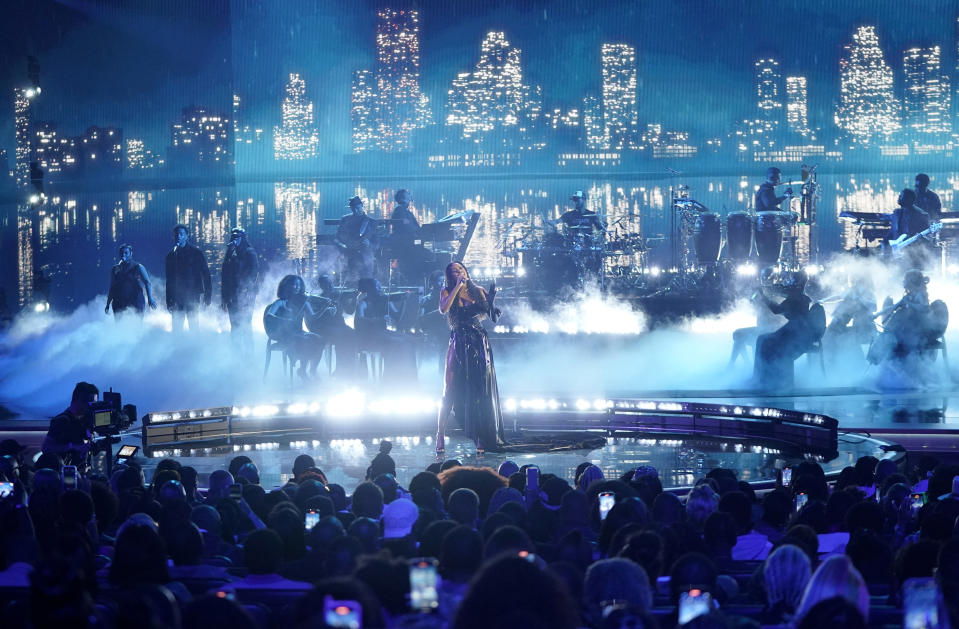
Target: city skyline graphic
[(885, 90)]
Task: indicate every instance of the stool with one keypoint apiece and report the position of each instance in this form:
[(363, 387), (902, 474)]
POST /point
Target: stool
[(273, 345), (374, 363)]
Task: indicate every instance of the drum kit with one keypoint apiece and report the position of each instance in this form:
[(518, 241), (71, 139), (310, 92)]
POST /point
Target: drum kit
[(554, 257)]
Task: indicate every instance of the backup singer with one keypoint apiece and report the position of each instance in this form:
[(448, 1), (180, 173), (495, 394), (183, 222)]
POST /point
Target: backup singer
[(187, 281), (470, 389), (239, 288), (127, 281)]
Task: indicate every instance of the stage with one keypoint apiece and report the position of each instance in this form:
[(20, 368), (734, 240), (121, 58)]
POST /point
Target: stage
[(683, 434)]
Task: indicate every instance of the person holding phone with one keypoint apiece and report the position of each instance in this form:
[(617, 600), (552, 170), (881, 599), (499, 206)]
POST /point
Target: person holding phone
[(470, 390)]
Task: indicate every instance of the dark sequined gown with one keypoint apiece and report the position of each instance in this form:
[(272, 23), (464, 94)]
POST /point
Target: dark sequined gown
[(473, 384)]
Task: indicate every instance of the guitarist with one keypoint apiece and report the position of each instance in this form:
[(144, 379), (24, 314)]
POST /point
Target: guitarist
[(354, 238), (908, 220)]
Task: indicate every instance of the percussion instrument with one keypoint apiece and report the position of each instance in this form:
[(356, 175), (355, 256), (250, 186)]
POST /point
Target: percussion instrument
[(769, 237), (706, 238), (739, 235)]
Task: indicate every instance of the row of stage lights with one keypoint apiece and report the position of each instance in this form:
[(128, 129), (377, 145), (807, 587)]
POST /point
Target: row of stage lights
[(354, 403), (751, 270), (747, 269)]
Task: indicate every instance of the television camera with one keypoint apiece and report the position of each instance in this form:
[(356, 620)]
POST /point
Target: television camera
[(110, 416)]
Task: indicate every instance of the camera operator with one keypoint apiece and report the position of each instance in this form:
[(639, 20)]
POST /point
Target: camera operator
[(69, 435)]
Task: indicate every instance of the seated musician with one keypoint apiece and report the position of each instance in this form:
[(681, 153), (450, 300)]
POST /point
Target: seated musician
[(852, 322), (766, 321), (580, 217), (333, 328), (404, 222), (283, 322), (906, 323), (776, 351), (375, 314), (584, 230), (354, 238), (405, 231)]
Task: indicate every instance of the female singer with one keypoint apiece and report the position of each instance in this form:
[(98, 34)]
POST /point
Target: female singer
[(470, 381), (127, 281), (283, 322)]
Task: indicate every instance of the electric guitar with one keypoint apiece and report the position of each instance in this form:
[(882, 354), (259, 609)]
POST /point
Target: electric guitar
[(899, 244)]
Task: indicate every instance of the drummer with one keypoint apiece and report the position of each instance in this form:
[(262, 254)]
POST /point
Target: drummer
[(579, 218), (766, 199)]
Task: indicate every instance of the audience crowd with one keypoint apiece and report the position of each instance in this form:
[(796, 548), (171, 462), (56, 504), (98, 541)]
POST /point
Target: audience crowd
[(162, 552)]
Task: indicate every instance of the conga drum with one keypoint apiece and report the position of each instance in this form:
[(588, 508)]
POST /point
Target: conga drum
[(706, 238), (739, 235), (769, 237)]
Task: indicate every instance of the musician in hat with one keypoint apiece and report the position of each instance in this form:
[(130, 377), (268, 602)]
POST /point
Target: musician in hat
[(580, 217), (354, 238), (583, 230), (239, 273), (766, 199)]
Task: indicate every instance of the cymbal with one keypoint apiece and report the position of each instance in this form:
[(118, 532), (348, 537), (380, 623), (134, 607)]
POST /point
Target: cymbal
[(509, 220)]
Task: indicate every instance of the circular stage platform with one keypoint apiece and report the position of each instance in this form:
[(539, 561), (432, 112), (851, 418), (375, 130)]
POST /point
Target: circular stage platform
[(682, 439)]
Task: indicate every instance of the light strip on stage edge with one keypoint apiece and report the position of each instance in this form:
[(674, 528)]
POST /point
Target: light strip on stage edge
[(354, 403)]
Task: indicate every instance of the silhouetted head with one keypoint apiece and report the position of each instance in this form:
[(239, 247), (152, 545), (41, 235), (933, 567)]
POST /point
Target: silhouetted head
[(922, 181), (907, 197), (773, 175), (290, 286)]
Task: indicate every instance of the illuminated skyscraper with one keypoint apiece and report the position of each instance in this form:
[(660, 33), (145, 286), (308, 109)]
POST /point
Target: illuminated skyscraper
[(769, 91), (868, 109), (296, 138), (619, 96), (101, 151), (46, 146), (491, 97), (363, 111), (797, 108), (22, 100), (594, 128), (202, 137), (397, 77), (139, 157), (926, 98), (243, 132)]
